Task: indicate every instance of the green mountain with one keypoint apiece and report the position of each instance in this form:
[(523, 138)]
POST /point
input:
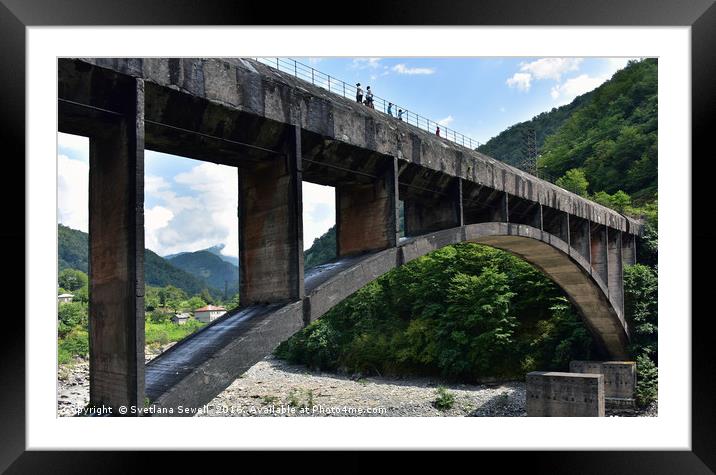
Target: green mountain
[(322, 250), (209, 267), (610, 133), (612, 137), (73, 249), (509, 145)]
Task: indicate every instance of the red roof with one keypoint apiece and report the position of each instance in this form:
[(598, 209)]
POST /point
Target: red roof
[(209, 308)]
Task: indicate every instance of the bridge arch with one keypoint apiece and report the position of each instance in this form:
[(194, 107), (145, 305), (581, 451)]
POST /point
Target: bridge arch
[(555, 258)]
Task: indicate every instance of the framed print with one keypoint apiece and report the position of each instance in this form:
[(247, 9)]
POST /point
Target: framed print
[(351, 235)]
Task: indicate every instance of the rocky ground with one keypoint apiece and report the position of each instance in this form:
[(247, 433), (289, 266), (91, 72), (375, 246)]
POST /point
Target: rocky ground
[(275, 388)]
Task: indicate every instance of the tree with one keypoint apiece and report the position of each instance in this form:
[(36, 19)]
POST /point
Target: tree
[(620, 201), (72, 279), (575, 181)]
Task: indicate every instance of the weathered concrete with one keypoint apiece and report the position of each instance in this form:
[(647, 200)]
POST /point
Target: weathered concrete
[(619, 377), (555, 394), (366, 215), (249, 87), (116, 257), (598, 251), (441, 212), (271, 229)]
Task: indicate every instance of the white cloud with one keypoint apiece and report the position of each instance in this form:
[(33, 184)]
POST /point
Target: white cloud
[(203, 218), (573, 87), (72, 189), (522, 81), (319, 211), (75, 144), (362, 63), (446, 121), (551, 68), (403, 69)]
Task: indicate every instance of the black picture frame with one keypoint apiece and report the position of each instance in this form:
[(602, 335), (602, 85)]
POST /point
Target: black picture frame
[(700, 15)]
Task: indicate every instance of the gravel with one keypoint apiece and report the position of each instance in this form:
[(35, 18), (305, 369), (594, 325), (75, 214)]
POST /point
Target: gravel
[(275, 388)]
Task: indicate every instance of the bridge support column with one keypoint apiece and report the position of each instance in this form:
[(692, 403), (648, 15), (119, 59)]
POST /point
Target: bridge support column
[(366, 214), (441, 212), (556, 223), (615, 279), (579, 236), (116, 257), (598, 251), (271, 227), (628, 249)]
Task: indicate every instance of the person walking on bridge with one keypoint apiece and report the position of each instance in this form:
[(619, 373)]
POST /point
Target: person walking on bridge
[(359, 94), (437, 131), (400, 114), (390, 109), (369, 98)]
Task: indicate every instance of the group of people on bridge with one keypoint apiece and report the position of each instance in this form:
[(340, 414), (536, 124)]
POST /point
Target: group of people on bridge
[(369, 103)]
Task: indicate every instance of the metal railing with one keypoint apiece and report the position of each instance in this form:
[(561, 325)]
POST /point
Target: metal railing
[(341, 88)]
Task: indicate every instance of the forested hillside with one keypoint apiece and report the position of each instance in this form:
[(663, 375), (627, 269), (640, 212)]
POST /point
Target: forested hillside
[(322, 250), (73, 254), (209, 267), (509, 145), (607, 138), (613, 137)]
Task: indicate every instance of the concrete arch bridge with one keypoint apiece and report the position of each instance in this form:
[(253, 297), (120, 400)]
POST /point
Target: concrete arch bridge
[(278, 131)]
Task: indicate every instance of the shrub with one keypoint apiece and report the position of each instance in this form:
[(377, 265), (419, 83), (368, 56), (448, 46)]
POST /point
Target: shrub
[(647, 381), (75, 343), (444, 399)]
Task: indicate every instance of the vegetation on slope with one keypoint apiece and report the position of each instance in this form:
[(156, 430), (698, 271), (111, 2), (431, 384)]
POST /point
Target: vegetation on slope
[(508, 146), (209, 267), (613, 136)]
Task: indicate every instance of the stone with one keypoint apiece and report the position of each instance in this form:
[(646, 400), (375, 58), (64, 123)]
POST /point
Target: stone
[(619, 377), (557, 394)]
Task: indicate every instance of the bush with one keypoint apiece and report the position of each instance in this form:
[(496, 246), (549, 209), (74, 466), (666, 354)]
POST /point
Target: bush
[(70, 316), (75, 343), (647, 381), (444, 399)]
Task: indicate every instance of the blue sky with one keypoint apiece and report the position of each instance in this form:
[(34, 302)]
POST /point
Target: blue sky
[(186, 205)]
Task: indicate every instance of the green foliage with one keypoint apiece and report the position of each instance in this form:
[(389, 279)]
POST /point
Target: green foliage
[(71, 315), (72, 279), (641, 308), (322, 250), (166, 332), (508, 146), (575, 181), (72, 249), (454, 313), (619, 201), (647, 382), (612, 136), (75, 343), (444, 399)]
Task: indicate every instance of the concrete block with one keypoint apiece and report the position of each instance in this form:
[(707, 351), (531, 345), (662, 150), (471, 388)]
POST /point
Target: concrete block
[(555, 394), (619, 376)]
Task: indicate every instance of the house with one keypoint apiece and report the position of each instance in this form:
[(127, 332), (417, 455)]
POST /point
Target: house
[(209, 313), (180, 318), (65, 298)]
